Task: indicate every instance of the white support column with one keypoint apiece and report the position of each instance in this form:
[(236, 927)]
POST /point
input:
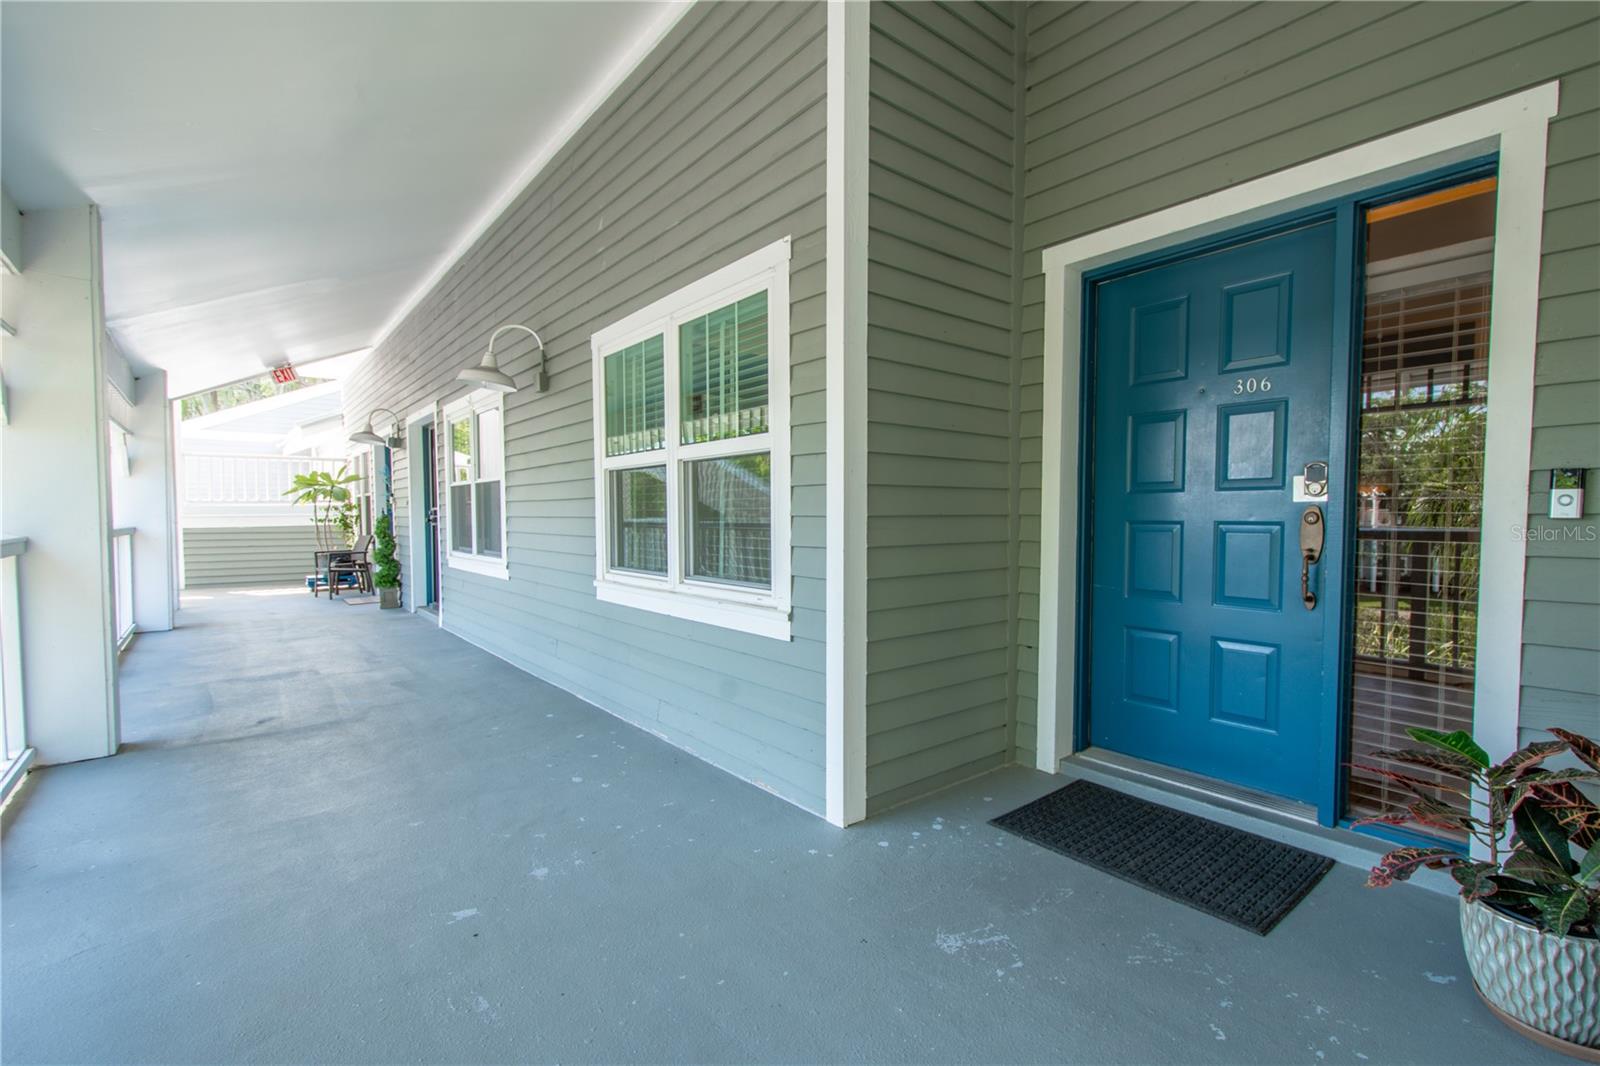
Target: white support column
[(54, 486), (175, 435), (151, 504), (846, 333)]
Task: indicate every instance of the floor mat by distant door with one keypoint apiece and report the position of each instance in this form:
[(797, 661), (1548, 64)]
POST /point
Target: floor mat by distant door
[(1237, 876)]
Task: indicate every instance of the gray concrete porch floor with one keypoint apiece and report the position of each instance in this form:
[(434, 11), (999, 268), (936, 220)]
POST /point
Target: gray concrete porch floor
[(343, 835)]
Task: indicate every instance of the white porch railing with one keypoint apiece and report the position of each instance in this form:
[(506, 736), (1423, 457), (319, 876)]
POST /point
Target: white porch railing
[(122, 585), (245, 479), (14, 752)]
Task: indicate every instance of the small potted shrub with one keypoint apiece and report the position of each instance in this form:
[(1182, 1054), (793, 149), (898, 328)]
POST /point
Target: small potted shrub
[(385, 567), (1530, 899)]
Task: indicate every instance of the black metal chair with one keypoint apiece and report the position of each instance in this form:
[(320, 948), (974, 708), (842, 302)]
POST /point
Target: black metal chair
[(355, 562), (333, 567)]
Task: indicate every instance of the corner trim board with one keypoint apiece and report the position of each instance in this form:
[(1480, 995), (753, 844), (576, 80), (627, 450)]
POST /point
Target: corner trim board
[(846, 467), (1516, 127), (109, 650)]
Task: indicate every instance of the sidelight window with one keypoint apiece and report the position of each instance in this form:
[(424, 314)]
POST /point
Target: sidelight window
[(1423, 413)]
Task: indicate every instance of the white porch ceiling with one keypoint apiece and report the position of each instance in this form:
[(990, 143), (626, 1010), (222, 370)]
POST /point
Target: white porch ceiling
[(279, 179)]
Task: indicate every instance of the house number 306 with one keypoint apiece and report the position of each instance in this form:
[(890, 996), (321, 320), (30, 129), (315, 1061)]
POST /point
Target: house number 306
[(1260, 384)]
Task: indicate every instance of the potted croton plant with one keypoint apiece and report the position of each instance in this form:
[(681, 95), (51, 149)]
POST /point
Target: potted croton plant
[(1530, 895)]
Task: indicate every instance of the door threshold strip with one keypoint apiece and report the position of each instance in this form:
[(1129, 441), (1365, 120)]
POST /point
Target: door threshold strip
[(1269, 816), (1208, 788)]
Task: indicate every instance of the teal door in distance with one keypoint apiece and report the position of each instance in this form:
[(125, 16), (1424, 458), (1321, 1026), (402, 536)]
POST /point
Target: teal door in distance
[(428, 594), (1213, 388)]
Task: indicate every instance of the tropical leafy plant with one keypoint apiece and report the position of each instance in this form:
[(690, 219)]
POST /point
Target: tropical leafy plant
[(346, 517), (331, 501), (1538, 876), (385, 568)]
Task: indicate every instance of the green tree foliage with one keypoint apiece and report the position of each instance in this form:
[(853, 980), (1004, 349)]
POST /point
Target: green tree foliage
[(214, 400), (1428, 462)]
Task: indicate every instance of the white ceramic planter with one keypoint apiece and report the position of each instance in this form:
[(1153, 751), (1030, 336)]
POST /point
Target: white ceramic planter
[(1548, 982)]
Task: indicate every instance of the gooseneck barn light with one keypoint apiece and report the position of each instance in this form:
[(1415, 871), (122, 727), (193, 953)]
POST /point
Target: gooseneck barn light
[(366, 435), (488, 373)]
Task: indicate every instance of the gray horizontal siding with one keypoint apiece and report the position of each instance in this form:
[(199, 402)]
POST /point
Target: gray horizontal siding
[(247, 555), (1561, 626), (941, 394), (1132, 108), (713, 148)]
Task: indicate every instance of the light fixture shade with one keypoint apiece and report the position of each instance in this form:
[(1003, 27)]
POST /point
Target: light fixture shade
[(365, 435), (489, 375)]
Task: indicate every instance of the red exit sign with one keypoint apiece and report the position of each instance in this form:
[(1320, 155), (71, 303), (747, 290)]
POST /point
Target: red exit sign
[(283, 374)]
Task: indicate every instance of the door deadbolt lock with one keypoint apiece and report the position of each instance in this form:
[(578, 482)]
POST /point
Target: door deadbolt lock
[(1312, 484), (1311, 538)]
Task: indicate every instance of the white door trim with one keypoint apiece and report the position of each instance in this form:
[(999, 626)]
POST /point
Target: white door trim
[(1516, 126)]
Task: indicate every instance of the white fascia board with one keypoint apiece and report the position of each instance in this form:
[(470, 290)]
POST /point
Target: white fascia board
[(529, 172)]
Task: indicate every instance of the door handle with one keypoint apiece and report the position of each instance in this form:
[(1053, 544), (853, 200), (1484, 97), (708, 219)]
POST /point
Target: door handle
[(1311, 535)]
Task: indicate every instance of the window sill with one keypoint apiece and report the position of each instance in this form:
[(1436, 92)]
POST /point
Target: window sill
[(477, 564), (761, 620)]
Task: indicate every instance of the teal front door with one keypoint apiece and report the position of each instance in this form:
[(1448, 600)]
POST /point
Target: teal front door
[(1213, 386)]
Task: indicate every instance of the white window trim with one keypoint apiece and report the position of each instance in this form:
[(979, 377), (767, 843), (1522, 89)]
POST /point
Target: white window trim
[(760, 612), (472, 405), (1516, 126)]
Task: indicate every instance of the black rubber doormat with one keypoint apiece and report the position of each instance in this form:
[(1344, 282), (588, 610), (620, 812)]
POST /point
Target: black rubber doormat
[(1236, 876)]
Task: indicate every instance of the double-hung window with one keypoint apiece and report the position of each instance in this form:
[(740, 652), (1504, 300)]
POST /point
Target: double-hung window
[(691, 400), (475, 505)]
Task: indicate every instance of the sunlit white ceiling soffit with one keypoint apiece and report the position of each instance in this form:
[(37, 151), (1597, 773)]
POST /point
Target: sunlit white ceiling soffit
[(282, 181)]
